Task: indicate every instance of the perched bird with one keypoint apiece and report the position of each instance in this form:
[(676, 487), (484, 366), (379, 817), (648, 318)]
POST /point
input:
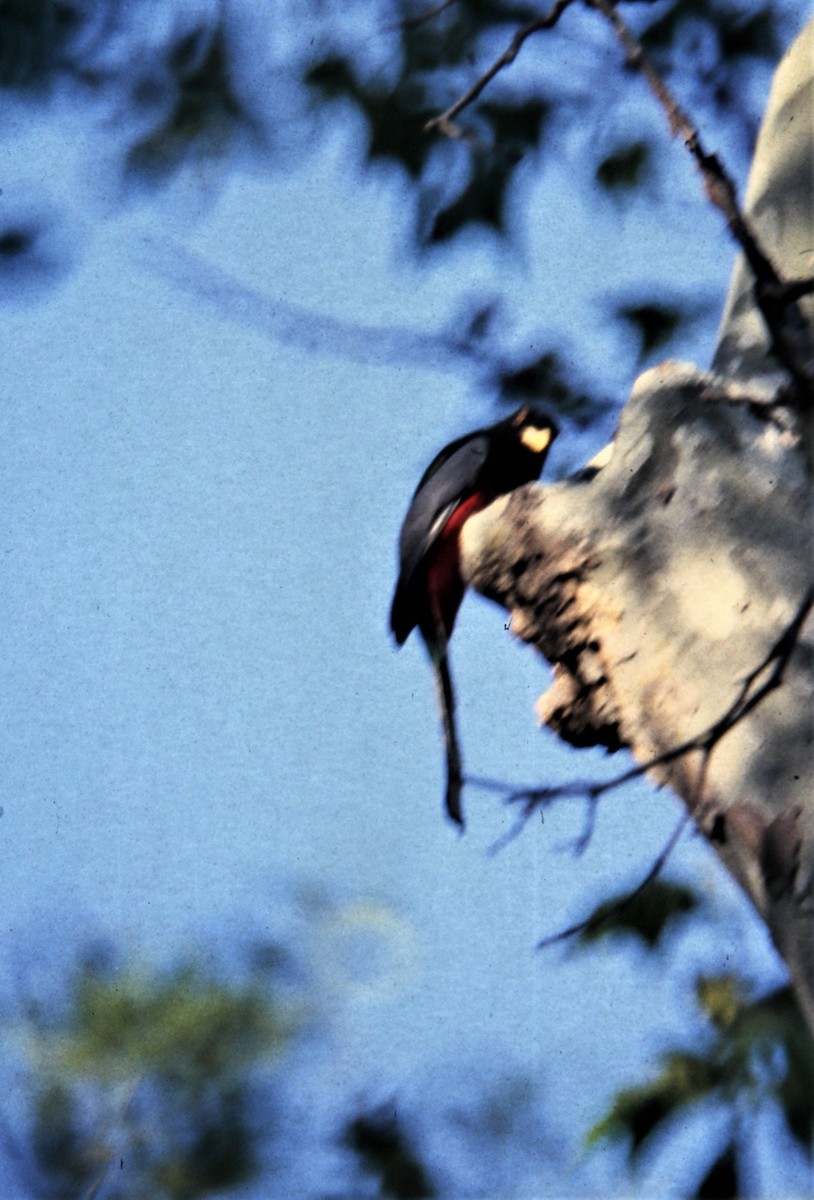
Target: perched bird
[(467, 475)]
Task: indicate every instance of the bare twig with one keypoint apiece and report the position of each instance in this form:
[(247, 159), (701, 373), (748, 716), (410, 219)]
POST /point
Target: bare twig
[(595, 921), (581, 843), (746, 700), (776, 299), (591, 923), (532, 798), (444, 122), (422, 18)]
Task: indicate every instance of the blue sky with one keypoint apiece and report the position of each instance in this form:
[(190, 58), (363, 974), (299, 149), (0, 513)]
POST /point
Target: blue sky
[(201, 699)]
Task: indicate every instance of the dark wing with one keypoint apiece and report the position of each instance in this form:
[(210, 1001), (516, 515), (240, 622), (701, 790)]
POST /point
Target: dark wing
[(448, 480)]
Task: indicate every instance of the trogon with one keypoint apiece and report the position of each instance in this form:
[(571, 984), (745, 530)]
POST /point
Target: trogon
[(467, 475)]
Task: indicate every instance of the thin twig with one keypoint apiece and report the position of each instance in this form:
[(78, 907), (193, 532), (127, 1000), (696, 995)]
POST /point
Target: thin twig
[(745, 702), (581, 843), (779, 654), (594, 922), (421, 18), (444, 122), (776, 299), (533, 798)]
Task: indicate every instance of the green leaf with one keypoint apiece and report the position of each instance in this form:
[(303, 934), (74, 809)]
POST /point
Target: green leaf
[(396, 122), (625, 168), (721, 1180), (720, 998), (751, 34), (661, 32), (33, 37), (754, 34), (654, 323), (186, 1028), (61, 1147), (501, 11), (395, 116), (333, 77), (481, 202), (646, 917), (220, 1153), (519, 124), (774, 1024), (543, 378), (206, 113), (636, 1113), (383, 1148), (448, 41)]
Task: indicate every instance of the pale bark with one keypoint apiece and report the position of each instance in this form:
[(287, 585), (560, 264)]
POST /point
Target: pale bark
[(658, 587)]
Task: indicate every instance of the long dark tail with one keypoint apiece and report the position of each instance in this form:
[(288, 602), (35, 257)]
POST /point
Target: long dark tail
[(446, 705)]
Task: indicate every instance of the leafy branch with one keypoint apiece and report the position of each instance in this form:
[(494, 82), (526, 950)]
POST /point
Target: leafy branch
[(756, 685), (777, 657), (777, 298), (595, 920)]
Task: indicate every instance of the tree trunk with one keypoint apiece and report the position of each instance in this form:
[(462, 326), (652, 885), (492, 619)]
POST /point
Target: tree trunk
[(671, 591)]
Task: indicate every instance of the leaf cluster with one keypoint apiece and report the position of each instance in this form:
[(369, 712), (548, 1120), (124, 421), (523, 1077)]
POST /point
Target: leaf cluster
[(386, 1154), (179, 82), (155, 1071), (755, 1049), (442, 50), (179, 87), (186, 1028), (457, 185), (721, 36)]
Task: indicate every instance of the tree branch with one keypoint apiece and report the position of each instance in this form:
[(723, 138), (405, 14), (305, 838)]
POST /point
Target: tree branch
[(776, 299), (296, 325), (444, 122), (744, 703), (421, 18), (594, 922)]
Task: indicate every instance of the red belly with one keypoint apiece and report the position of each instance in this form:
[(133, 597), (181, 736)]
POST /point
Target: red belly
[(444, 584)]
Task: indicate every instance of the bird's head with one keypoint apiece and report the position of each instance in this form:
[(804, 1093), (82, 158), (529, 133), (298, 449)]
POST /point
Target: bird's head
[(534, 428), (519, 446)]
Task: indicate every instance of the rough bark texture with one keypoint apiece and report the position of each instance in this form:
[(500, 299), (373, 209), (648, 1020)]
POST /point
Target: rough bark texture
[(657, 588)]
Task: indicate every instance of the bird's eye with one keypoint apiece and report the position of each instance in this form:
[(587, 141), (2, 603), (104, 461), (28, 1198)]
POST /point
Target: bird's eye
[(536, 440)]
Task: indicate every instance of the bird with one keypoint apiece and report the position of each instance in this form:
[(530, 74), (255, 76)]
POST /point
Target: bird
[(462, 479)]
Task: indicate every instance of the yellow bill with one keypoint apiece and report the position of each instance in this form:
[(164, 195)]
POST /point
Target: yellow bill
[(536, 440)]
